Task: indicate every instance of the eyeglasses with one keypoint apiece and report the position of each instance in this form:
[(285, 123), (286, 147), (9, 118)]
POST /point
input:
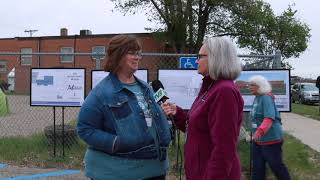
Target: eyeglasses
[(135, 53), (251, 85), (200, 56)]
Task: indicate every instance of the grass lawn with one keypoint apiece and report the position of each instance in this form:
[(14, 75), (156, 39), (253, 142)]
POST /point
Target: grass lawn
[(33, 151), (310, 111), (302, 162)]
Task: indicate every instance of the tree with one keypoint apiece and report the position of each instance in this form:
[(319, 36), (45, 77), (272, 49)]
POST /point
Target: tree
[(251, 23), (266, 33), (183, 23)]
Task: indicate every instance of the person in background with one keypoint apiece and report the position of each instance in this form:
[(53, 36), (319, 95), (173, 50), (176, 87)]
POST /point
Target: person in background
[(212, 125), (126, 130), (267, 131)]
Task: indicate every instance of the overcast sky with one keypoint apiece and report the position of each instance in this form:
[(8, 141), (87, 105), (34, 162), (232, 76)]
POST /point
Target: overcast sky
[(48, 16)]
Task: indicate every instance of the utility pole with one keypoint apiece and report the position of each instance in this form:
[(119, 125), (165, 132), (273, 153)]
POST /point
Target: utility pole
[(30, 31)]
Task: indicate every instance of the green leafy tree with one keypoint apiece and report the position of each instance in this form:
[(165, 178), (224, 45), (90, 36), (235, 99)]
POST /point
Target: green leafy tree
[(265, 33), (251, 23)]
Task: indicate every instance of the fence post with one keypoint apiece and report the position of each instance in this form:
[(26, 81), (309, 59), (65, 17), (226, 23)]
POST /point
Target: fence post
[(98, 63), (277, 60)]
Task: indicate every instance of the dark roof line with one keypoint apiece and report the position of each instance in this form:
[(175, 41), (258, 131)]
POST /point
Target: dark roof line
[(77, 36)]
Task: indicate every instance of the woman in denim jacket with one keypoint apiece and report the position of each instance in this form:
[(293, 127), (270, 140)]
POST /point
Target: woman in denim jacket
[(125, 129), (268, 136)]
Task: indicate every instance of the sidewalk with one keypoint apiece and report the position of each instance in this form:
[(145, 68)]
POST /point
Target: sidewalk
[(307, 130), (8, 172)]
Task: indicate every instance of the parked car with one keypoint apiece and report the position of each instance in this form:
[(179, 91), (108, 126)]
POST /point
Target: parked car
[(305, 93)]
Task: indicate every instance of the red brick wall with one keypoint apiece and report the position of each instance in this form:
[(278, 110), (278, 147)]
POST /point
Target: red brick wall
[(53, 44)]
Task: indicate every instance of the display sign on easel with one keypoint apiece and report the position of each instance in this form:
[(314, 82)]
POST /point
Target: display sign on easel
[(57, 87)]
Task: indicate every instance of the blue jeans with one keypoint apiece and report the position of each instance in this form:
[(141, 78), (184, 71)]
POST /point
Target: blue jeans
[(271, 154)]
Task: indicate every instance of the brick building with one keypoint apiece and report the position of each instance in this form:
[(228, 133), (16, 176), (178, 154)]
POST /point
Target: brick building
[(83, 43)]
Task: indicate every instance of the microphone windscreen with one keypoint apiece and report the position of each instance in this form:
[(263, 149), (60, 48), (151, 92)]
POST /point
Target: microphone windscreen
[(160, 94), (156, 85)]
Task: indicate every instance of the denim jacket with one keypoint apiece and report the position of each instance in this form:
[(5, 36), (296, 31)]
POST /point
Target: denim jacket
[(111, 121)]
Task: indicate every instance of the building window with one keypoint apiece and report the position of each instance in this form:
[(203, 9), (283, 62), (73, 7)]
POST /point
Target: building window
[(26, 60), (3, 66), (98, 50), (66, 58)]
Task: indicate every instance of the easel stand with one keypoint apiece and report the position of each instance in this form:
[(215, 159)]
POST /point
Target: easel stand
[(55, 134)]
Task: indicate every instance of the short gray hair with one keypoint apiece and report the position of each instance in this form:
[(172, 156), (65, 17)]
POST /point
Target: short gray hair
[(263, 84), (223, 62)]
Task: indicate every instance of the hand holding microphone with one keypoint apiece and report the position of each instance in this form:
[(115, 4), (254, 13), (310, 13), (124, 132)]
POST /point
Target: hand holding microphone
[(169, 109), (161, 98)]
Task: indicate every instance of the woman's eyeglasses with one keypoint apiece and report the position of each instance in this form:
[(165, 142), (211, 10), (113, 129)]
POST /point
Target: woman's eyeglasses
[(200, 56), (135, 53)]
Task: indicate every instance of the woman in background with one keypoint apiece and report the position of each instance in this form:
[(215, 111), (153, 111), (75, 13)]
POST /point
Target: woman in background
[(267, 130)]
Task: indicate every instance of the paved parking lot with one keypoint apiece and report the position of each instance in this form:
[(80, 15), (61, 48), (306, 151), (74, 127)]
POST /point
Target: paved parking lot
[(8, 172)]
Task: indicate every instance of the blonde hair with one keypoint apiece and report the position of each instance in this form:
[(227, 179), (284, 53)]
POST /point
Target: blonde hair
[(223, 62), (263, 84)]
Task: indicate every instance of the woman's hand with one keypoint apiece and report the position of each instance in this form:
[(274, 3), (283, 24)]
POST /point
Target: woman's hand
[(258, 134), (170, 109)]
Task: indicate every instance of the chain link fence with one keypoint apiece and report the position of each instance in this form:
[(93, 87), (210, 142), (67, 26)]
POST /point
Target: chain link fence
[(27, 132)]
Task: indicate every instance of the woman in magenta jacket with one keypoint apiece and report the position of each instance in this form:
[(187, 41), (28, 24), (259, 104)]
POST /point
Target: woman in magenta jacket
[(213, 123)]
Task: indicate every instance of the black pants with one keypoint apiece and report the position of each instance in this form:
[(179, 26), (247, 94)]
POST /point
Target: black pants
[(271, 154)]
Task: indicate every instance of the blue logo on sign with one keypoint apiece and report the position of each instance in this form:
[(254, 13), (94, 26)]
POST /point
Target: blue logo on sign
[(188, 63)]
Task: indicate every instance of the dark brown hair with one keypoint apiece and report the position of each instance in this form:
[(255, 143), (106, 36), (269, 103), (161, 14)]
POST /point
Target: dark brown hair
[(118, 47)]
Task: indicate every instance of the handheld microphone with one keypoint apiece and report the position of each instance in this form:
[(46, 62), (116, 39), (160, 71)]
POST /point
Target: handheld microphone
[(160, 97), (160, 94)]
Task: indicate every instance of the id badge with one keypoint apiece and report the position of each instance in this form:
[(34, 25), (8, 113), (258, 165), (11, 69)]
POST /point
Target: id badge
[(149, 121)]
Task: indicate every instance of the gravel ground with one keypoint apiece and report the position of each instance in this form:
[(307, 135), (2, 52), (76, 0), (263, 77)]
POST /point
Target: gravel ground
[(25, 120)]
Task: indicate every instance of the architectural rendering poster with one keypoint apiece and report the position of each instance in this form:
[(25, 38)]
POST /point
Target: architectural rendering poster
[(98, 75), (182, 86), (57, 87), (280, 82)]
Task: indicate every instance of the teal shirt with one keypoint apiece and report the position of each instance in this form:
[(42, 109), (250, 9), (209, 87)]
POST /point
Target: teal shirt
[(101, 166), (264, 107)]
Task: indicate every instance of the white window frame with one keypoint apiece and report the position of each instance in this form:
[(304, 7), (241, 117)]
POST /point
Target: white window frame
[(93, 51), (66, 50), (26, 60)]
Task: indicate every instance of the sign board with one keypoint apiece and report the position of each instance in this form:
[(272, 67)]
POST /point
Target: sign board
[(182, 86), (98, 75), (188, 63), (280, 82), (57, 87)]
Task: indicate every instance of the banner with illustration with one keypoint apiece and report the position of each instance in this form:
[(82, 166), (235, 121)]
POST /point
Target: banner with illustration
[(57, 87)]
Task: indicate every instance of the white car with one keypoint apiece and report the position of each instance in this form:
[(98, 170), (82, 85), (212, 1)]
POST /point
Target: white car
[(305, 93)]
